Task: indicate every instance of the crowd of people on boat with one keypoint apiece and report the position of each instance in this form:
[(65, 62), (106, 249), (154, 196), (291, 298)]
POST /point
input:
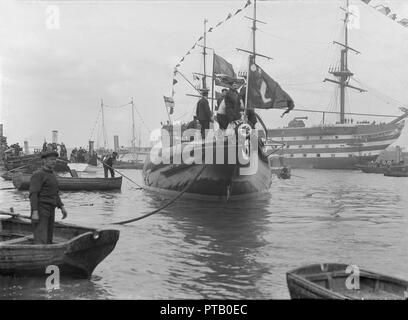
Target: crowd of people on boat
[(15, 150), (351, 121), (229, 107), (79, 155), (385, 163), (53, 147)]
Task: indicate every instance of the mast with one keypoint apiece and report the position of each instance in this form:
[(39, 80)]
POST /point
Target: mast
[(343, 74), (253, 33), (212, 85), (204, 54), (133, 127), (251, 57), (103, 127)]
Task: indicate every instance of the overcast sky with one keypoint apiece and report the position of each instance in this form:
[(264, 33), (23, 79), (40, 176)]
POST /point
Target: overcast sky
[(115, 50)]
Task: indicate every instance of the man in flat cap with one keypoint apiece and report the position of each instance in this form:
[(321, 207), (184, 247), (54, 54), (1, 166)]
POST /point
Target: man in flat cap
[(44, 198), (203, 112)]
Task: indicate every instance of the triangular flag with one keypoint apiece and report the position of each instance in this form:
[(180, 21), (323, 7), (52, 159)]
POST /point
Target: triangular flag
[(211, 29), (174, 81), (229, 16), (238, 11), (248, 3)]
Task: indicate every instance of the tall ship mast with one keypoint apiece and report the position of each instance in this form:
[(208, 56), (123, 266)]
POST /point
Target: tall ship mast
[(345, 144)]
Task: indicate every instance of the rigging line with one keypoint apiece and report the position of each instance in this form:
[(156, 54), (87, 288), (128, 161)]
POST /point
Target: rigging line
[(300, 83), (168, 203), (184, 114), (96, 122), (351, 113), (384, 63), (373, 90), (291, 40), (115, 107), (141, 118)]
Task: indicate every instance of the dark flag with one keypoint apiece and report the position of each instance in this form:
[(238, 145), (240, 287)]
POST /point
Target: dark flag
[(266, 93), (223, 72)]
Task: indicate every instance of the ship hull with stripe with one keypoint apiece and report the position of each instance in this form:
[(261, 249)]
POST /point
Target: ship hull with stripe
[(334, 146)]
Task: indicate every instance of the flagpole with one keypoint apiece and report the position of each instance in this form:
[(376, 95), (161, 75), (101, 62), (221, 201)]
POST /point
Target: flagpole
[(247, 88), (212, 86)]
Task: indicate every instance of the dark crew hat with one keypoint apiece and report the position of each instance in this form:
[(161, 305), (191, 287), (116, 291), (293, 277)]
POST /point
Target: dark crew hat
[(49, 154)]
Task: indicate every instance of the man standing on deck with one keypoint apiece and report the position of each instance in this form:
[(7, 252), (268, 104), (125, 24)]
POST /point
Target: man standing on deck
[(221, 98), (233, 104), (44, 198), (203, 113), (108, 164)]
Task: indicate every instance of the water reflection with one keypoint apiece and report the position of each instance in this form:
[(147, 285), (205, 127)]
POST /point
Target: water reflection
[(218, 256), (35, 289)]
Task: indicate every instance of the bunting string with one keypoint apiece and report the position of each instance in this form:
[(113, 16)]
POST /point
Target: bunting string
[(211, 29), (387, 12)]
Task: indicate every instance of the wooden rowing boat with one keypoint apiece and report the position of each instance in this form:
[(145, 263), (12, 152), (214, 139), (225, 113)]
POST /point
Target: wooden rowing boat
[(82, 167), (328, 281), (129, 165), (372, 168), (397, 171), (21, 181), (32, 162), (76, 251)]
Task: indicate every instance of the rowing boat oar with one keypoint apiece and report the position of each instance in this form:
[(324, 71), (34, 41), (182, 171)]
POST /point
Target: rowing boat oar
[(15, 215), (18, 168), (105, 164)]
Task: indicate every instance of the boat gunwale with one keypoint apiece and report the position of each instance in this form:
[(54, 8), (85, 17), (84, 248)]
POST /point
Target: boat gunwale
[(67, 243), (296, 276)]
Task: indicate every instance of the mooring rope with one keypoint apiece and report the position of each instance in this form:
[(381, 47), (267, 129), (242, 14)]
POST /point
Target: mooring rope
[(168, 203)]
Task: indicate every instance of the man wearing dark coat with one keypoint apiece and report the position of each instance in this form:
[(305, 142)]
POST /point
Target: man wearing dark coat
[(108, 162), (232, 104), (44, 198), (203, 113)]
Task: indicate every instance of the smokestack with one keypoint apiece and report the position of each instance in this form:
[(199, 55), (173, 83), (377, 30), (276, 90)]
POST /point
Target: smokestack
[(116, 143), (1, 129), (26, 149), (91, 147), (55, 136)]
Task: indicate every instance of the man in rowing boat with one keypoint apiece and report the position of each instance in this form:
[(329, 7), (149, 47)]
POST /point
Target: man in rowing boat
[(44, 198), (108, 162)]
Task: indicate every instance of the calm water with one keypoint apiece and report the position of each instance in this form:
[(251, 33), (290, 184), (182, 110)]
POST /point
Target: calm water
[(201, 250)]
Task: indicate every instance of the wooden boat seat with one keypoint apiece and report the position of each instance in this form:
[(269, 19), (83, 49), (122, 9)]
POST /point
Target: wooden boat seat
[(16, 240)]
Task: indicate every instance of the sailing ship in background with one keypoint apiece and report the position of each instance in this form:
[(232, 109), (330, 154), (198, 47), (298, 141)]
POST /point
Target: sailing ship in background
[(132, 157), (228, 180), (343, 145)]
